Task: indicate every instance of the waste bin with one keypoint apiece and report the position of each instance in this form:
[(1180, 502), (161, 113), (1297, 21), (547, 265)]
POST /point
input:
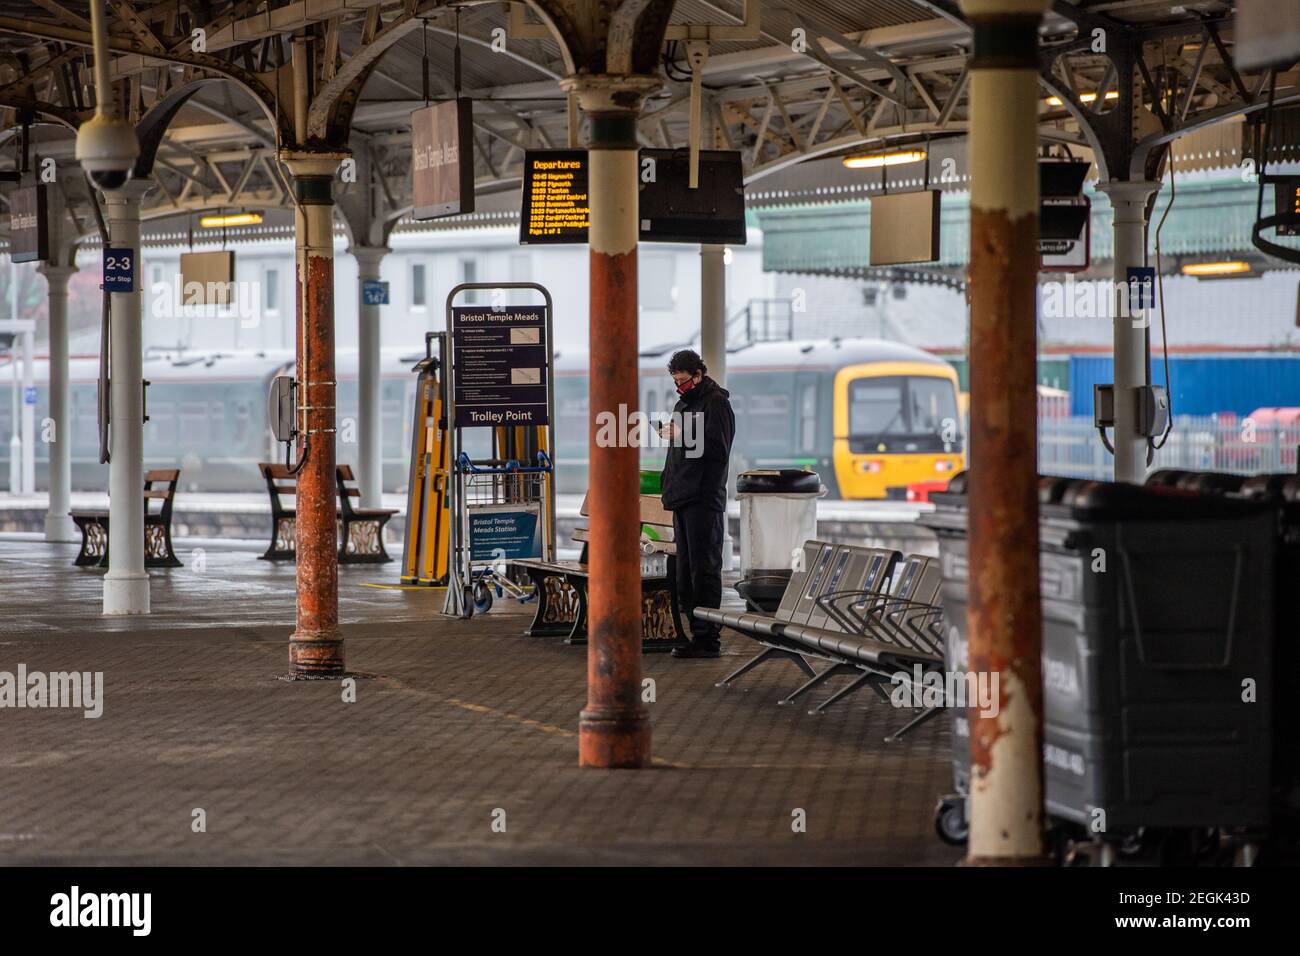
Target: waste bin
[(778, 513), (1157, 633)]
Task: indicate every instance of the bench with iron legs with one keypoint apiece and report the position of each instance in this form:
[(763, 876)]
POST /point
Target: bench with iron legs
[(159, 485), (360, 530), (878, 630), (361, 536), (561, 586)]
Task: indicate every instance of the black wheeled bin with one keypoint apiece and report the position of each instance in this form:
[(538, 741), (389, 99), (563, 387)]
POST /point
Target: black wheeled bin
[(1157, 616)]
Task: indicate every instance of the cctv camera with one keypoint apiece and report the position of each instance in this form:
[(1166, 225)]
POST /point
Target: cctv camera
[(107, 150)]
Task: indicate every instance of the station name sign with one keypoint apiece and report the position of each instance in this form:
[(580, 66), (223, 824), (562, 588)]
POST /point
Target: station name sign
[(442, 160), (501, 363), (29, 224)]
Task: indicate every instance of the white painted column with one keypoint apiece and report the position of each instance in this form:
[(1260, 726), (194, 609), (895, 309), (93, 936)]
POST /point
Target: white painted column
[(713, 341), (126, 585), (58, 525), (1128, 201), (713, 310), (370, 435)]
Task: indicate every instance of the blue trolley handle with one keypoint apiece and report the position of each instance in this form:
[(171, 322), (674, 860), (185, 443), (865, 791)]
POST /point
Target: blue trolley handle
[(467, 466)]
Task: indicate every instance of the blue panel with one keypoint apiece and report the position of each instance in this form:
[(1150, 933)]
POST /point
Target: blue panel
[(1202, 384)]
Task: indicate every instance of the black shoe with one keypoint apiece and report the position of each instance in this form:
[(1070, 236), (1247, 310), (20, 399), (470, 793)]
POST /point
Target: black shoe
[(698, 650)]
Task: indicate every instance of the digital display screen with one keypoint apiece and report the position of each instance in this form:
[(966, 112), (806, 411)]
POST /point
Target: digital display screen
[(1286, 198), (555, 207)]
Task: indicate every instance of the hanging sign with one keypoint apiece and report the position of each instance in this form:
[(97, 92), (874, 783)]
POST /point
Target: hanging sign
[(500, 363), (442, 160)]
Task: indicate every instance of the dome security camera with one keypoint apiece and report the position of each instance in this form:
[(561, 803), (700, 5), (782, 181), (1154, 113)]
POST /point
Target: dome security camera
[(107, 150)]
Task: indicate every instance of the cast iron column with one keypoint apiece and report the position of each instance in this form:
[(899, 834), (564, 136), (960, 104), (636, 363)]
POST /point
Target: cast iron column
[(1128, 202), (58, 525), (614, 728), (316, 648), (126, 585), (1004, 620), (370, 444)]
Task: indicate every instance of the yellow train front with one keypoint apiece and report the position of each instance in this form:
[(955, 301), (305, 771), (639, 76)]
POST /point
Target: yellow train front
[(870, 416)]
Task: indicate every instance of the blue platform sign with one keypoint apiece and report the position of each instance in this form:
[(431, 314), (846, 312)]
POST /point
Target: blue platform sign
[(1141, 287), (119, 270), (504, 532), (374, 292), (29, 395)]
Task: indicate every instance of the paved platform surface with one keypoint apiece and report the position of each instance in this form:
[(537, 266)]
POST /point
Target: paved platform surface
[(460, 720)]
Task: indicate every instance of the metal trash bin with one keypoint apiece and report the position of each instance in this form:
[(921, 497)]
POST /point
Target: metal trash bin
[(1157, 611), (778, 513)]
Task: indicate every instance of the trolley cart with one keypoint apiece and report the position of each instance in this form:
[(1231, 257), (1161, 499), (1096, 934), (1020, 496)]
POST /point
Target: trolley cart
[(503, 511)]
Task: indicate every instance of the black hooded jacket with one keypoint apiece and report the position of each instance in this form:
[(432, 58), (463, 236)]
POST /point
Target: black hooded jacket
[(698, 474)]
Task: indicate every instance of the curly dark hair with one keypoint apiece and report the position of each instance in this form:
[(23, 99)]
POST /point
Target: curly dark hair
[(688, 361)]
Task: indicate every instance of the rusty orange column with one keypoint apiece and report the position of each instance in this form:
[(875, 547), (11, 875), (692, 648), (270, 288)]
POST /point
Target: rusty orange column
[(1003, 623), (316, 648), (614, 728)]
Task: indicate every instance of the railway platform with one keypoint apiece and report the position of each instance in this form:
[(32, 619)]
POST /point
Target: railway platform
[(456, 726)]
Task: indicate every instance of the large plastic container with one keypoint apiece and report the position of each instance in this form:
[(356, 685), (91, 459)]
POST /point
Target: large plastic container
[(778, 513), (1157, 616)]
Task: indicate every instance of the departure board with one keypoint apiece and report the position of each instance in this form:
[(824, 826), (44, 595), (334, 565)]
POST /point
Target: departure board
[(1286, 195), (554, 205)]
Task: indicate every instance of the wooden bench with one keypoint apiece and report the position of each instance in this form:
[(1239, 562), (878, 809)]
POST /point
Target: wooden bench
[(360, 530), (561, 586), (361, 537), (159, 485)]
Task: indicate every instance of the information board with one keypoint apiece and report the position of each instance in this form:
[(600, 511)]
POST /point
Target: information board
[(507, 532), (500, 362), (671, 211), (555, 207)]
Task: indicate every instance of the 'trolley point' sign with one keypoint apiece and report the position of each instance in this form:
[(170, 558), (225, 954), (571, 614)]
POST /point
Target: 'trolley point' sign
[(442, 160), (29, 225)]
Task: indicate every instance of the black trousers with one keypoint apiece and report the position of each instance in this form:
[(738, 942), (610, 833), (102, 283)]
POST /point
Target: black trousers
[(697, 532)]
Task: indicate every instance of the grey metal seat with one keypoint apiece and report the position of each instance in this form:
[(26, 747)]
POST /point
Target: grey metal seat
[(880, 637), (827, 568)]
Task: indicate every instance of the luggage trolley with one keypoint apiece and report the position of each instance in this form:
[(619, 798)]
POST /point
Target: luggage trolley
[(498, 367), (503, 516)]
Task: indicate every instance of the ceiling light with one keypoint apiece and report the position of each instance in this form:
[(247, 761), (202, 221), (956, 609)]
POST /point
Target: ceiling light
[(233, 219), (876, 160), (1204, 270)]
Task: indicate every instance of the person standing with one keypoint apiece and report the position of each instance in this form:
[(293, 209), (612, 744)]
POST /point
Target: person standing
[(694, 489)]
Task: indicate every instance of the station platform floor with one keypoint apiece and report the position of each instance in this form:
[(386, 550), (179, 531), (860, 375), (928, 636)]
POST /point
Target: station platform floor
[(453, 722)]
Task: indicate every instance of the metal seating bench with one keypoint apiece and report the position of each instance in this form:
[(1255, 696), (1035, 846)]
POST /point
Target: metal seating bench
[(360, 530), (825, 568), (561, 586), (877, 631), (159, 485)]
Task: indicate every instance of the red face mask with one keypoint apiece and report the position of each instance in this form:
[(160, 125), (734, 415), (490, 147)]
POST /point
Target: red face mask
[(686, 386)]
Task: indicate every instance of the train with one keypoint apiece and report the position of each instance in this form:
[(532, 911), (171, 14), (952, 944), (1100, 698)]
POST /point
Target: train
[(870, 416)]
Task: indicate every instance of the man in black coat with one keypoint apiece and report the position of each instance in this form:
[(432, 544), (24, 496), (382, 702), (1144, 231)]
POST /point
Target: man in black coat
[(695, 491)]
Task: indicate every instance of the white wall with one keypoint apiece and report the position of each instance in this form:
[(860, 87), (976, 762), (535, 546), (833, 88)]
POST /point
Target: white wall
[(669, 282)]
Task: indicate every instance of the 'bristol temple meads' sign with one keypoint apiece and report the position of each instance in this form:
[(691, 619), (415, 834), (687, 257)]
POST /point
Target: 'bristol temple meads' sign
[(442, 160), (501, 359), (28, 227)]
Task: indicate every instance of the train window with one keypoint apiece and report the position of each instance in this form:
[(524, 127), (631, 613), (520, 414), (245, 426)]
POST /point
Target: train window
[(469, 273), (194, 424), (161, 432), (808, 418), (932, 403), (876, 406), (769, 417)]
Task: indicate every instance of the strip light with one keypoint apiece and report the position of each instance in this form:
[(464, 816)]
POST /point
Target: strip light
[(876, 160), (1206, 269), (233, 219)]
